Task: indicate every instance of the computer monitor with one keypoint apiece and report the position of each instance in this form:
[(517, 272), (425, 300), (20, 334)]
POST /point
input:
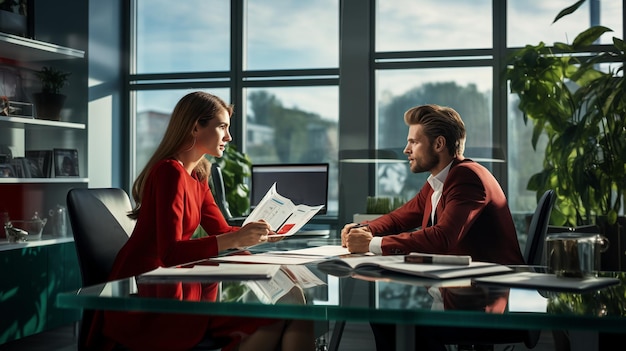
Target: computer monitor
[(302, 183)]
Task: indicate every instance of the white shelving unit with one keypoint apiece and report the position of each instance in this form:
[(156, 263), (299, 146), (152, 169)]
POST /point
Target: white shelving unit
[(16, 50)]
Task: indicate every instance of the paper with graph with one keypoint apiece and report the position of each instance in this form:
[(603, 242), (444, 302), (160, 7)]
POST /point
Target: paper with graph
[(283, 216)]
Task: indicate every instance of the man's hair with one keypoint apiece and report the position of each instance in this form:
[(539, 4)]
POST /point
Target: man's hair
[(439, 120)]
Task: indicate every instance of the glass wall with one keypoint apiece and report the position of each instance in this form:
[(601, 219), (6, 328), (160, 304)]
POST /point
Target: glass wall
[(278, 63)]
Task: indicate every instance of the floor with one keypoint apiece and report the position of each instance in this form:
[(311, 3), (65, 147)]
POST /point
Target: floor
[(356, 337)]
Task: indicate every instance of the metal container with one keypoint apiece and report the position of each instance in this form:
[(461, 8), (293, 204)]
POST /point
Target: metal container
[(575, 254)]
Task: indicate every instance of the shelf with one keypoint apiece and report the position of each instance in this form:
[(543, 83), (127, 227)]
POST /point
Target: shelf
[(21, 49), (45, 240), (33, 123), (68, 180)]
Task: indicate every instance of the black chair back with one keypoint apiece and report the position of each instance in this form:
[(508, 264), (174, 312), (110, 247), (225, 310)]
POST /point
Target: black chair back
[(219, 191), (101, 227), (533, 252)]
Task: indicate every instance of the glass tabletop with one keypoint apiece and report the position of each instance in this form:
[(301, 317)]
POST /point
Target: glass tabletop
[(311, 292)]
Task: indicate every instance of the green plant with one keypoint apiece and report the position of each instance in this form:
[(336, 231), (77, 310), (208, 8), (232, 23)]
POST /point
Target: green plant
[(235, 167), (382, 204), (52, 79), (581, 109)]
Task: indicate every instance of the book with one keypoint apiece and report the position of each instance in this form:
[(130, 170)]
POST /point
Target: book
[(363, 264), (283, 216), (545, 281), (210, 273)]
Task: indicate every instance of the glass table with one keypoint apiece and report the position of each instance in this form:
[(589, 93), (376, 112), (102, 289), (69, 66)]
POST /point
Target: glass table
[(321, 295)]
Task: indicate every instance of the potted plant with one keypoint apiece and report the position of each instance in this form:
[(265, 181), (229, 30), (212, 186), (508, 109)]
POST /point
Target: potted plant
[(49, 102), (377, 206), (575, 95)]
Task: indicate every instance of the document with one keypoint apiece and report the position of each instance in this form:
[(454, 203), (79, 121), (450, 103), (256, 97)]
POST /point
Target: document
[(294, 257), (210, 273), (364, 264), (283, 216)]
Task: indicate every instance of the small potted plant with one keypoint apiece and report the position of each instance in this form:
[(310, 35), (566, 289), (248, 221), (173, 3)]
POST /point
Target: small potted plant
[(49, 102)]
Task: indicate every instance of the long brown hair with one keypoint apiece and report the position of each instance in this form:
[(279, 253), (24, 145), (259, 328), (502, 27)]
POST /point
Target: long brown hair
[(194, 107)]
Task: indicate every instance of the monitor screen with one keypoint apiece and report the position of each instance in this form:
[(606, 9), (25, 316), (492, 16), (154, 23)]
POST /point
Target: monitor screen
[(301, 183)]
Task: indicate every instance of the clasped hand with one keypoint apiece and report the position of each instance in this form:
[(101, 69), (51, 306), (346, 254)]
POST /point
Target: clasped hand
[(356, 239)]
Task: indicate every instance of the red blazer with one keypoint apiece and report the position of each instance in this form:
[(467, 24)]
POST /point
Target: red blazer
[(472, 218), (174, 204)]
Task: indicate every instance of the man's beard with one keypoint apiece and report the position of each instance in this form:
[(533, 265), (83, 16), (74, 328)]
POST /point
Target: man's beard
[(426, 163)]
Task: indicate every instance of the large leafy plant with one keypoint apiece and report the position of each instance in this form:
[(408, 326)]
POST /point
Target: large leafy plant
[(581, 109)]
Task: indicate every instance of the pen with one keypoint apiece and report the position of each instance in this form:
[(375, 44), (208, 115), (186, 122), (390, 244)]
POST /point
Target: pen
[(437, 259)]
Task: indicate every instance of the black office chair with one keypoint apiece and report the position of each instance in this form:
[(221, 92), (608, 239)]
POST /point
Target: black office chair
[(219, 193), (533, 252), (218, 190), (101, 227)]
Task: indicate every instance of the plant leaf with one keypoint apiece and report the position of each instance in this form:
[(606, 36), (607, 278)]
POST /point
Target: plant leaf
[(568, 10)]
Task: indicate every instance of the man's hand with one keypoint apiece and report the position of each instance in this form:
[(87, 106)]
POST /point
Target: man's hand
[(356, 238)]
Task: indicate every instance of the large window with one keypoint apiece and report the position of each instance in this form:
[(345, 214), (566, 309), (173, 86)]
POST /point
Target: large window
[(182, 36), (284, 88), (278, 62)]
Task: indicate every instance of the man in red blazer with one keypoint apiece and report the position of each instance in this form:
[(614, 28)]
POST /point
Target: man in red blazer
[(471, 215)]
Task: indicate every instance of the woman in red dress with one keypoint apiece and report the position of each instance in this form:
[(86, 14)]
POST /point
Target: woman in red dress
[(172, 197)]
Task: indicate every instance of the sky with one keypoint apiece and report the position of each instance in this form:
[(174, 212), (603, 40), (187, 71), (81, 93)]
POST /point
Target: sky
[(194, 35)]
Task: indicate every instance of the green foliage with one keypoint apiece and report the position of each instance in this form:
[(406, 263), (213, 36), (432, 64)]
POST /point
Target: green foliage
[(382, 204), (582, 112), (52, 80), (235, 167)]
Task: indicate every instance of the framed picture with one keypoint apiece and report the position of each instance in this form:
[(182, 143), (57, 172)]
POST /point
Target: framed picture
[(65, 162), (40, 162), (16, 17), (7, 171)]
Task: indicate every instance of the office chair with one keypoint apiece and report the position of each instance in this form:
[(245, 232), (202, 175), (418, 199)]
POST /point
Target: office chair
[(219, 193), (101, 227), (533, 252)]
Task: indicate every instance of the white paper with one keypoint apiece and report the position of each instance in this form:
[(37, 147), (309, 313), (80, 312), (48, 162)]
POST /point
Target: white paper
[(264, 258), (283, 216)]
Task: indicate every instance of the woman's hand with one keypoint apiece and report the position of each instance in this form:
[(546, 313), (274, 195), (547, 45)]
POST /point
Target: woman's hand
[(253, 233)]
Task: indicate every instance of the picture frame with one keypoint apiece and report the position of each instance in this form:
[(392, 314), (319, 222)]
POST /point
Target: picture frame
[(7, 170), (40, 162), (65, 162), (17, 18)]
